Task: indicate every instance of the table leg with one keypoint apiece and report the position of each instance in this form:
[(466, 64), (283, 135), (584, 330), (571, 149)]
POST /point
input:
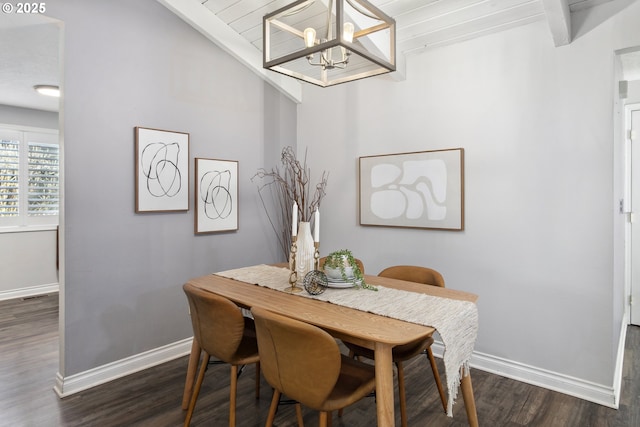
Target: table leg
[(192, 368), (384, 385), (469, 400)]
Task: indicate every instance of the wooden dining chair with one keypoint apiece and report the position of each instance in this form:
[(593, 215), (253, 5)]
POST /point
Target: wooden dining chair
[(304, 363), (402, 353), (224, 333)]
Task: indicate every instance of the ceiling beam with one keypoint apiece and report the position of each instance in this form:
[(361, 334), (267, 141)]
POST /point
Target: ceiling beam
[(559, 20), (213, 28)]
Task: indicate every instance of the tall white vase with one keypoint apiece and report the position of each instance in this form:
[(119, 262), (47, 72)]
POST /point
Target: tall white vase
[(305, 251)]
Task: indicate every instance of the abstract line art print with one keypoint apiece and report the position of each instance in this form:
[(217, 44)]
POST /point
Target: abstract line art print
[(162, 170), (216, 195), (417, 190)]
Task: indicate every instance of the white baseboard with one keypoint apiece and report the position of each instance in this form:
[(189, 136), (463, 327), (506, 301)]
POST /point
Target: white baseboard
[(617, 374), (30, 291), (586, 390), (603, 395), (66, 386)]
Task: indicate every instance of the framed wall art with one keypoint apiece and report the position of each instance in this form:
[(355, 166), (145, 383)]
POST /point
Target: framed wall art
[(216, 195), (417, 190), (162, 170)]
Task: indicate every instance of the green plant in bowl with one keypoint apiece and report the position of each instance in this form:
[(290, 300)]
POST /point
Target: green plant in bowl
[(342, 264)]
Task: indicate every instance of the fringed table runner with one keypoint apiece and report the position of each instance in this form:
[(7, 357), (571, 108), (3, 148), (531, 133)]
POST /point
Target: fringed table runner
[(456, 321)]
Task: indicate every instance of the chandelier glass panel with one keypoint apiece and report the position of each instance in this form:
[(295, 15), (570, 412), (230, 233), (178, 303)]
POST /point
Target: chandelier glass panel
[(326, 42)]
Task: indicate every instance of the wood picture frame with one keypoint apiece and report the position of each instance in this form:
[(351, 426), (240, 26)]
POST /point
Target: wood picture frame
[(161, 170), (216, 195), (416, 190)]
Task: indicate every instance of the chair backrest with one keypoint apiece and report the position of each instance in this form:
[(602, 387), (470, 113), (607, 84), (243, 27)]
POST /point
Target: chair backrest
[(412, 273), (322, 260), (218, 324), (300, 360)]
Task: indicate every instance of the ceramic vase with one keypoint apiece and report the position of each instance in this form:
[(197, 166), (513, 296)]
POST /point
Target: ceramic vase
[(305, 251)]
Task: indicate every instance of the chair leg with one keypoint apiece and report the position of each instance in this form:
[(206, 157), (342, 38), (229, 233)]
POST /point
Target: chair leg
[(273, 408), (402, 394), (192, 369), (299, 415), (436, 376), (233, 388), (323, 419), (196, 390), (257, 380)]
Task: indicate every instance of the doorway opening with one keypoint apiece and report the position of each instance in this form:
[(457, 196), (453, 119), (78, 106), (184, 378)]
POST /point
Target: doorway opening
[(628, 117)]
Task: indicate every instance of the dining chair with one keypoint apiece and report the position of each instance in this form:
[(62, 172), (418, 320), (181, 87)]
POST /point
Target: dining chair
[(402, 353), (224, 333), (304, 363)]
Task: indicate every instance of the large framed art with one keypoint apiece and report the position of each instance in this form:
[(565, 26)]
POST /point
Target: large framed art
[(216, 195), (416, 190), (161, 170)]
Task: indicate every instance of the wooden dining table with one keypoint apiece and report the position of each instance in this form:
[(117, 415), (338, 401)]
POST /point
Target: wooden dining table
[(373, 331)]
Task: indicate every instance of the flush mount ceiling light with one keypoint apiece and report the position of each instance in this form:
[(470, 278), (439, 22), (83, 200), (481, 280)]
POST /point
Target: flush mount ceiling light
[(326, 42), (48, 90)]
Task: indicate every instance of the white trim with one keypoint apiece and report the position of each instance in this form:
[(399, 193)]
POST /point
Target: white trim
[(617, 374), (28, 228), (30, 291), (66, 386), (586, 390)]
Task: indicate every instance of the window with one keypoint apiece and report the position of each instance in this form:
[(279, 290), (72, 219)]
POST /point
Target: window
[(29, 178)]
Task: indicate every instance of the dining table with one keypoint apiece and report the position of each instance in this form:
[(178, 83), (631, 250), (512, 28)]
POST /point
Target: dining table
[(374, 331)]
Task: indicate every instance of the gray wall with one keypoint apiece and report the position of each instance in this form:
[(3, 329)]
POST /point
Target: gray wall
[(28, 117), (535, 122), (27, 275), (536, 125), (130, 64)]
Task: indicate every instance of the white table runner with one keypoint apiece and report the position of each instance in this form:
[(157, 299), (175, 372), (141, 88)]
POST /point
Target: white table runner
[(456, 321)]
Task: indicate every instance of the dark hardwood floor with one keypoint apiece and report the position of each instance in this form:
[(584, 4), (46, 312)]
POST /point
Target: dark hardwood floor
[(29, 362)]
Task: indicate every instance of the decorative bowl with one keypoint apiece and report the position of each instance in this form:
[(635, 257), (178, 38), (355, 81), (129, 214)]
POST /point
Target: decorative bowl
[(335, 273)]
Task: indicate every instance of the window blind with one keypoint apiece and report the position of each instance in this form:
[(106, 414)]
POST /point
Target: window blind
[(43, 166), (9, 182)]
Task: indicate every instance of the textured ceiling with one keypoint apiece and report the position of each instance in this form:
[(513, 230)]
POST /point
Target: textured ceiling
[(29, 46)]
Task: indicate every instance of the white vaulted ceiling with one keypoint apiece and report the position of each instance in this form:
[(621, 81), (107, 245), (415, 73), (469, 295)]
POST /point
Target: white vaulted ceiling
[(236, 27)]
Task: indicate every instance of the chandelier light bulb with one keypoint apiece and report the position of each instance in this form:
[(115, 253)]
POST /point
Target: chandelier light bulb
[(347, 32), (309, 37)]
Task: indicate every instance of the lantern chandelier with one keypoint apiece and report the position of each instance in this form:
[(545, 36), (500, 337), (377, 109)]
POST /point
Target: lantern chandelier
[(327, 42)]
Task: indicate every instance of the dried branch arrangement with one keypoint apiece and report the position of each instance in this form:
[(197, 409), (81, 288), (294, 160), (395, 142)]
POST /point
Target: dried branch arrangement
[(287, 184)]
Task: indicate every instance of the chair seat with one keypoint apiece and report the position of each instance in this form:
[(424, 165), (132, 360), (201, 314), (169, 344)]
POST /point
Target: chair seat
[(399, 353), (247, 352), (356, 380)]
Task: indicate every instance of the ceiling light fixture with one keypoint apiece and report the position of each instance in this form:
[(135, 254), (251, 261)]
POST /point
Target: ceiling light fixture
[(48, 90), (326, 42)]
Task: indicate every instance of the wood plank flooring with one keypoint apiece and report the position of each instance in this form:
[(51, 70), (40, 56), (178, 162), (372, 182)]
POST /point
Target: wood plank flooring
[(29, 362)]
